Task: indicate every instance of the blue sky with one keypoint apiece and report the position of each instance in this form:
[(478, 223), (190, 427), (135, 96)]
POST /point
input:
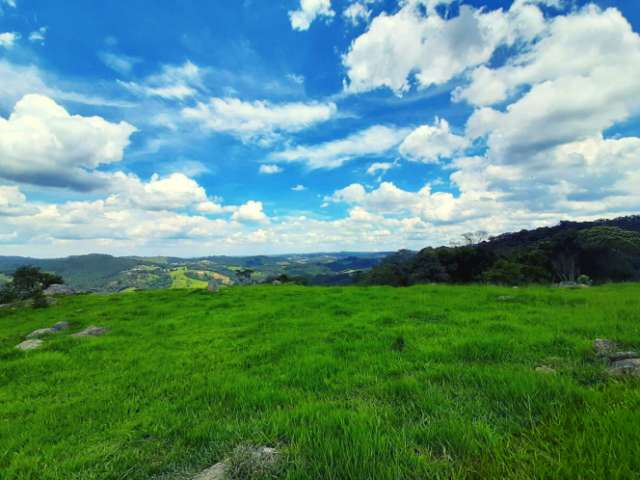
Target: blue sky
[(195, 128)]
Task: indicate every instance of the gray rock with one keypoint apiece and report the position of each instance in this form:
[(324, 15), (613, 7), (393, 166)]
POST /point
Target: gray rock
[(216, 472), (625, 368), (29, 344), (91, 331), (603, 346), (276, 282), (506, 298), (41, 332), (244, 462), (60, 326), (213, 286), (614, 357), (58, 289)]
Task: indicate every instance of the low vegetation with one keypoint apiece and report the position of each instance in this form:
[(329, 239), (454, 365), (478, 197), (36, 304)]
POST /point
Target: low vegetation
[(466, 382)]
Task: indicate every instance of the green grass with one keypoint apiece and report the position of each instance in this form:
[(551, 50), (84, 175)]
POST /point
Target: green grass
[(350, 383), (181, 280)]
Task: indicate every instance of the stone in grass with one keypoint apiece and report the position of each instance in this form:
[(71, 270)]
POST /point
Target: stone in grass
[(625, 368), (244, 463), (603, 347), (48, 331), (41, 332), (507, 298), (30, 344), (91, 331), (615, 356), (546, 370)]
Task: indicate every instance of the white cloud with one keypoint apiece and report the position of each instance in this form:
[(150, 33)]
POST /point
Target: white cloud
[(298, 188), (8, 39), (416, 46), (431, 143), (38, 36), (120, 63), (13, 202), (268, 169), (372, 141), (42, 144), (174, 82), (308, 11), (357, 12), (11, 3), (250, 212), (379, 167), (259, 119)]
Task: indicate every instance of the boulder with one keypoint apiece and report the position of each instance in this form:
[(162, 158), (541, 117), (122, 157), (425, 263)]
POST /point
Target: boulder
[(625, 368), (213, 286), (616, 356), (506, 298), (603, 347), (58, 289), (29, 344), (216, 472), (276, 282), (91, 331), (40, 332), (60, 326), (244, 462)]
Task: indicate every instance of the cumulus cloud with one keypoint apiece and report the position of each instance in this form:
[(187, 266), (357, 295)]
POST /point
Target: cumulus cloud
[(8, 39), (13, 202), (269, 169), (42, 144), (250, 212), (371, 141), (379, 167), (357, 12), (308, 11), (298, 188), (430, 143), (258, 120), (417, 45)]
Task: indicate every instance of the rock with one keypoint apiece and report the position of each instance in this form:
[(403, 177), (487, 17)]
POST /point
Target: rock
[(506, 298), (603, 346), (616, 356), (91, 331), (625, 368), (60, 326), (216, 472), (545, 370), (29, 344), (48, 331), (58, 289), (244, 462), (276, 282), (213, 286), (41, 332)]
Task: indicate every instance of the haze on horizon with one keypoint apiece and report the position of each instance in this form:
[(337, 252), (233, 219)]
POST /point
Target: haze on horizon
[(207, 128)]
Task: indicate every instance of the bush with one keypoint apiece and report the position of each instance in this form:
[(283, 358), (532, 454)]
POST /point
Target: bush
[(39, 300), (584, 280)]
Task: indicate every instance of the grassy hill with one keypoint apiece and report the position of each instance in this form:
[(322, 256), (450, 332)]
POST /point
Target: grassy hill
[(349, 383)]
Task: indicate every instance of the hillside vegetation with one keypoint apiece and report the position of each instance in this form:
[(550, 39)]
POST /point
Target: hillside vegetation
[(349, 383)]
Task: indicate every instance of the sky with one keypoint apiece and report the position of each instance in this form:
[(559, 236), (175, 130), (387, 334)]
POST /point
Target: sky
[(193, 128)]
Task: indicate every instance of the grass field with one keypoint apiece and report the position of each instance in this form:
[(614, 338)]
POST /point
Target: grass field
[(349, 383), (180, 279)]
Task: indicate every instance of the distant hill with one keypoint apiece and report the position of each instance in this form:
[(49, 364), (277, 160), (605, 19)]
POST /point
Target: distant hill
[(108, 273)]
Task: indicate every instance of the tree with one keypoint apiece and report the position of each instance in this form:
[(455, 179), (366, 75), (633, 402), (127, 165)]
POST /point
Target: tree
[(28, 280)]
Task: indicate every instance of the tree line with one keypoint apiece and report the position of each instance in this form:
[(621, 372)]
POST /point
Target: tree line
[(601, 251)]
